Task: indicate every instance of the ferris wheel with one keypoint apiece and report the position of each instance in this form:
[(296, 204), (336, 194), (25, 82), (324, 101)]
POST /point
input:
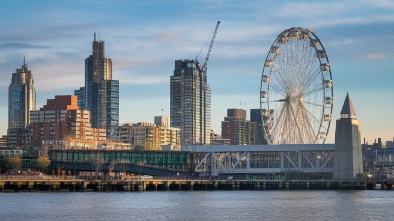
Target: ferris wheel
[(296, 92)]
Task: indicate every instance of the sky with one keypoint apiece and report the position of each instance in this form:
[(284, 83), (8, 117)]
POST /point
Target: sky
[(144, 38)]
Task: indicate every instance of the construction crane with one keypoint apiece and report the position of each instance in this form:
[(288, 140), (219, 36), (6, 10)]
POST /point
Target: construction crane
[(203, 68)]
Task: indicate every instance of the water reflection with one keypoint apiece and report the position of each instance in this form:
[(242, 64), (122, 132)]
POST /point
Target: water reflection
[(199, 205)]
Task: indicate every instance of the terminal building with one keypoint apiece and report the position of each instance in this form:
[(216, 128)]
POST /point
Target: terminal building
[(340, 161)]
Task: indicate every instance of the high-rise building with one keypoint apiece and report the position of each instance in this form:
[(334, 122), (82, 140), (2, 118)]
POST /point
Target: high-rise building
[(190, 103), (21, 100), (237, 129), (80, 93), (255, 116), (101, 94)]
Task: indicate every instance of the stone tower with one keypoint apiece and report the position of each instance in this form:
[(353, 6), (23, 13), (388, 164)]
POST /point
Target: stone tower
[(348, 162)]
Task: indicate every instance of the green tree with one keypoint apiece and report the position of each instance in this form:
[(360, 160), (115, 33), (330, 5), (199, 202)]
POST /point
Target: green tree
[(14, 162), (33, 163), (139, 146), (43, 163), (3, 165)]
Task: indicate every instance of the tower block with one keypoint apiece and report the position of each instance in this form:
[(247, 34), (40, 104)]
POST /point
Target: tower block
[(348, 162)]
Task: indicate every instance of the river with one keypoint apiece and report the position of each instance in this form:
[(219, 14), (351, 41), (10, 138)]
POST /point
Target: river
[(199, 205)]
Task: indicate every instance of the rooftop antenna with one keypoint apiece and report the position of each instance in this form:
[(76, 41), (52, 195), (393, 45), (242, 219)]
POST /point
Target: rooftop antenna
[(95, 36)]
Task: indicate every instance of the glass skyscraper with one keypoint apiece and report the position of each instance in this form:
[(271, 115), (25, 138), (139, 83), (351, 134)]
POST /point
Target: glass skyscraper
[(101, 94), (190, 103), (21, 98)]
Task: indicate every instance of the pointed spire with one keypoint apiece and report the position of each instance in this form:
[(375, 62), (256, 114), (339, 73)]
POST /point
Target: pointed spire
[(24, 65), (347, 109)]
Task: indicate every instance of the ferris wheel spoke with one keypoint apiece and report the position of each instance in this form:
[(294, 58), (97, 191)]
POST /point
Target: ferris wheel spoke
[(317, 120), (311, 82), (312, 130), (277, 89), (311, 78), (281, 83), (279, 120), (297, 125), (313, 104), (318, 88), (274, 101), (303, 121), (308, 128)]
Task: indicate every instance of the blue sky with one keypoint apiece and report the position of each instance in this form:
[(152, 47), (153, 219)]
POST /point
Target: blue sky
[(144, 38)]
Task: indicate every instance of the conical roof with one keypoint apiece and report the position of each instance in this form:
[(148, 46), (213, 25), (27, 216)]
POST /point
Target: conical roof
[(348, 107)]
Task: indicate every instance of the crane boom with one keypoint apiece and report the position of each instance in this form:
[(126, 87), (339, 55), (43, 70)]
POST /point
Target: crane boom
[(210, 46)]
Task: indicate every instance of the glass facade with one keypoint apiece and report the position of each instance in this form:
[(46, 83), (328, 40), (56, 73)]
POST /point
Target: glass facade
[(190, 103), (101, 92), (112, 118), (21, 98), (170, 160)]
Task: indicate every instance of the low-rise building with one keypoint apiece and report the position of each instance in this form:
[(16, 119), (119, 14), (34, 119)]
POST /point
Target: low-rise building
[(216, 139), (146, 136), (60, 124)]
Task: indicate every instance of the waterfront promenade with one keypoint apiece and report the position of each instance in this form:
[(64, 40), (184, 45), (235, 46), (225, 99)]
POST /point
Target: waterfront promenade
[(146, 183)]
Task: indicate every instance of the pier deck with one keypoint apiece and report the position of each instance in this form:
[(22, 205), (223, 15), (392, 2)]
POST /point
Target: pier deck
[(72, 183)]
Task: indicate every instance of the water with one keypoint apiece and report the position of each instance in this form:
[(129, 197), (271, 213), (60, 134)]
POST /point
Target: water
[(198, 205)]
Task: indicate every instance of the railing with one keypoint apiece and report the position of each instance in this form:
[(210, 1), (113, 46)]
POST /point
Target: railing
[(20, 177), (145, 178), (38, 177)]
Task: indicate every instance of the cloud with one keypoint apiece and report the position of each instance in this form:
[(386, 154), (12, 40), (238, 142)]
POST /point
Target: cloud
[(22, 46), (169, 36), (121, 63), (376, 56), (379, 3), (306, 10), (144, 80)]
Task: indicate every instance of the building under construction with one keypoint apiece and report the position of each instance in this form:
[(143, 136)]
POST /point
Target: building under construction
[(190, 99)]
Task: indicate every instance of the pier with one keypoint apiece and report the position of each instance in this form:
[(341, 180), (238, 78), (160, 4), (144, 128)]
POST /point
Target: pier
[(72, 183)]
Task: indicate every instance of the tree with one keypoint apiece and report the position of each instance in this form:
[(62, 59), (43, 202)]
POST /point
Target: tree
[(139, 146), (14, 162), (3, 165), (43, 163), (111, 167), (97, 163)]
